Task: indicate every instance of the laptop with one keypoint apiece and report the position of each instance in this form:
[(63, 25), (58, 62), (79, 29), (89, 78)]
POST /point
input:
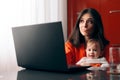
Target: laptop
[(41, 47)]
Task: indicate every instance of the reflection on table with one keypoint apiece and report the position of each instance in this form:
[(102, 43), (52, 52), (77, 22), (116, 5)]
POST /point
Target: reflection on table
[(44, 75), (86, 75)]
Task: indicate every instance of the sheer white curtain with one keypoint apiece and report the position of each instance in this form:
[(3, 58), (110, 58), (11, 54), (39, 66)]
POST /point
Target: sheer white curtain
[(23, 12)]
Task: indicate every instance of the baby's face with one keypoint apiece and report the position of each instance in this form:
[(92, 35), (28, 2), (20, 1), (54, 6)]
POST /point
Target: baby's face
[(93, 50)]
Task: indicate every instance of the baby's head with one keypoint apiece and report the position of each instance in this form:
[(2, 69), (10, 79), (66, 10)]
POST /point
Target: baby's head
[(94, 48)]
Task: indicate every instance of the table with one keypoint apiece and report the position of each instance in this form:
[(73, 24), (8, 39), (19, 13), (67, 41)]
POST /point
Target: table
[(44, 75)]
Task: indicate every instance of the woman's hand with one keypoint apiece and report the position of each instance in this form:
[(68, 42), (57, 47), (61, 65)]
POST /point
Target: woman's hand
[(84, 64)]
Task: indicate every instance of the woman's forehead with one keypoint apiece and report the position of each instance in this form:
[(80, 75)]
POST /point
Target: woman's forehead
[(86, 15)]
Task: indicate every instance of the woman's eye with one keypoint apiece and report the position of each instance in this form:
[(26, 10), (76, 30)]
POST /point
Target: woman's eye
[(81, 21), (90, 21)]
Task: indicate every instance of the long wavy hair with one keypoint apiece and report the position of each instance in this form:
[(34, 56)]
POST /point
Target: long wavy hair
[(76, 38)]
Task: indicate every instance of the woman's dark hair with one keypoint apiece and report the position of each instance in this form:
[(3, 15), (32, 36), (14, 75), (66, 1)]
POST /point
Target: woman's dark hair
[(76, 38)]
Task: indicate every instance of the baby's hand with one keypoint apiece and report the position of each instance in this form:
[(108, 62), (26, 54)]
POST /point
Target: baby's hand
[(85, 64)]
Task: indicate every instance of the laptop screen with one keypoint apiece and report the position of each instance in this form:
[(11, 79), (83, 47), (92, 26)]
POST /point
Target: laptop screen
[(40, 46)]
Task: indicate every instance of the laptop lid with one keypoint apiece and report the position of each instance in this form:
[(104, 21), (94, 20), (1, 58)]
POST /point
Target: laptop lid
[(40, 46)]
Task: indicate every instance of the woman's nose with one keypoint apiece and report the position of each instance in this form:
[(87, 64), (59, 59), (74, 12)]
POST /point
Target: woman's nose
[(85, 24)]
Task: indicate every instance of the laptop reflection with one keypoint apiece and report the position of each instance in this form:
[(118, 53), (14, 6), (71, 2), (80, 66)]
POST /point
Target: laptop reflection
[(44, 75)]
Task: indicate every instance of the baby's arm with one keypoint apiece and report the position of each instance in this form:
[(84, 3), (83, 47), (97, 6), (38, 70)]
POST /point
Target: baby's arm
[(83, 62)]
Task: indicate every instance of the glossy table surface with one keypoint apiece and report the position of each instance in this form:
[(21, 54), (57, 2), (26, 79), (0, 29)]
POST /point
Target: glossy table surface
[(44, 75)]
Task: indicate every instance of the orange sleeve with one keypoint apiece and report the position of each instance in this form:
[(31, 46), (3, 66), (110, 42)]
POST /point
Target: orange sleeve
[(73, 54), (96, 65), (69, 53)]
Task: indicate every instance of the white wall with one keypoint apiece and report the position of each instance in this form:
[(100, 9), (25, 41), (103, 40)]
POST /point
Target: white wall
[(63, 15)]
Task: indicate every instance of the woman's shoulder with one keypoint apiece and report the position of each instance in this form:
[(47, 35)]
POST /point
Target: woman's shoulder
[(69, 44), (69, 47)]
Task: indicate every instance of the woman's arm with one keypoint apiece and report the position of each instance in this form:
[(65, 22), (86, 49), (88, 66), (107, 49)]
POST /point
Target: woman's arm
[(69, 53), (104, 62), (74, 54)]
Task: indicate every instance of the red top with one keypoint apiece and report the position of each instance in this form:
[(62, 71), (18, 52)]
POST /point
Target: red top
[(96, 65), (74, 54)]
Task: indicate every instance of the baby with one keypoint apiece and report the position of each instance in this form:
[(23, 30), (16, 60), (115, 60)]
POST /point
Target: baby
[(94, 55)]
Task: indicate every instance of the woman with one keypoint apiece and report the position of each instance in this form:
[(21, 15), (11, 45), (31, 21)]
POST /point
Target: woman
[(88, 25)]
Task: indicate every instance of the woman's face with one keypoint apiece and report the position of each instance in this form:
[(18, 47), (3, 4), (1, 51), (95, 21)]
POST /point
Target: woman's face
[(86, 25)]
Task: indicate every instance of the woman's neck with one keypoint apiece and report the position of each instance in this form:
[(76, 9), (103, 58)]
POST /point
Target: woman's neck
[(87, 38)]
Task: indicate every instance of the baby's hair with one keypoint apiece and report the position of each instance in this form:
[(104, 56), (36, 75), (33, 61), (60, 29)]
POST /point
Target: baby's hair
[(95, 41)]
